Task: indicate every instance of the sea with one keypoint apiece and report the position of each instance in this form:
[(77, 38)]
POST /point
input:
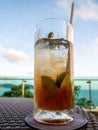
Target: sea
[(7, 82)]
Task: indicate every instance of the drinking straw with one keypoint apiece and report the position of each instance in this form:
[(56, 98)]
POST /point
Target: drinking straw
[(70, 38), (69, 35), (72, 13)]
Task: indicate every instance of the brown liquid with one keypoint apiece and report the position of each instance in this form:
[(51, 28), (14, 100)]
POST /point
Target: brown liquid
[(57, 121), (53, 98), (61, 100)]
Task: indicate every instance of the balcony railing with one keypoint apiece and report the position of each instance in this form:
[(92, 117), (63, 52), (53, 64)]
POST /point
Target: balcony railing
[(89, 86)]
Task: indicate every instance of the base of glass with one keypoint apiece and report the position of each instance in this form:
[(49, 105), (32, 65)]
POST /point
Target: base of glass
[(54, 117)]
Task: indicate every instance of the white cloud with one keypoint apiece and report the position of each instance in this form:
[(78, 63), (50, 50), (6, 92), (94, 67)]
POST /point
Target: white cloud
[(13, 55), (85, 9), (22, 69), (64, 5)]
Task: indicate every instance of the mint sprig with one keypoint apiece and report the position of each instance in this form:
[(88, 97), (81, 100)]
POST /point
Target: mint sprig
[(49, 86), (60, 78)]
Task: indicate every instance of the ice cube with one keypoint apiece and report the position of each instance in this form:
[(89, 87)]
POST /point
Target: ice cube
[(49, 72), (59, 64)]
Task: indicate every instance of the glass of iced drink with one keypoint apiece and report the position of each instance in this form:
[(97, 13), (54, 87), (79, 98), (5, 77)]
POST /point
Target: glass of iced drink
[(53, 76)]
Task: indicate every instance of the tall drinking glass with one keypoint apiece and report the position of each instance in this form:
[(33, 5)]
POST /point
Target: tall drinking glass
[(53, 76)]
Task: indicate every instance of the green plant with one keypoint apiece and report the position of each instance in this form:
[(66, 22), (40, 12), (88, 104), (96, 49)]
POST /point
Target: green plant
[(82, 102), (16, 91), (76, 93)]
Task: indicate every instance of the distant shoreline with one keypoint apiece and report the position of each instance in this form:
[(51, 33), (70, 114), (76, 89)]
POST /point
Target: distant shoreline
[(76, 78)]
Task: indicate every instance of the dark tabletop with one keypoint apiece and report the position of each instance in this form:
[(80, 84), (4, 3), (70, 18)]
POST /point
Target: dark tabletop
[(14, 110)]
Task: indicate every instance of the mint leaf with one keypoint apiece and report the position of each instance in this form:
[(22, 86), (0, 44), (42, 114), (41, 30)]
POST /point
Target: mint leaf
[(48, 85), (60, 79), (51, 35)]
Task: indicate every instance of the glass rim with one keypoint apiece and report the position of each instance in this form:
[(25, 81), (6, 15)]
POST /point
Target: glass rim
[(51, 18)]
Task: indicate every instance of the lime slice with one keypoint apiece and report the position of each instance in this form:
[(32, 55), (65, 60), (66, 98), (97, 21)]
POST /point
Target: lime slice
[(49, 86)]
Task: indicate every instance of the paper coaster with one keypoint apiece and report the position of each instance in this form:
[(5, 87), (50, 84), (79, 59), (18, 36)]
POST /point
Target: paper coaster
[(78, 122)]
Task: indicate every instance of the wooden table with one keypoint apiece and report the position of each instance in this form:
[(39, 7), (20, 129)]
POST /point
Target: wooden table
[(14, 110)]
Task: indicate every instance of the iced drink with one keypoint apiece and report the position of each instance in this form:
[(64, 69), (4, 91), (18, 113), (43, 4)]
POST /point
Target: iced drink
[(53, 75)]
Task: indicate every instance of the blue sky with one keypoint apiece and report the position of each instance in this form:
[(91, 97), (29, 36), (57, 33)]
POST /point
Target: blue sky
[(17, 21)]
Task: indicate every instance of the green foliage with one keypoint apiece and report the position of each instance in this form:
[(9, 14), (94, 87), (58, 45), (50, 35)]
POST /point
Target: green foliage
[(82, 102), (28, 94), (76, 93), (7, 94), (16, 91)]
